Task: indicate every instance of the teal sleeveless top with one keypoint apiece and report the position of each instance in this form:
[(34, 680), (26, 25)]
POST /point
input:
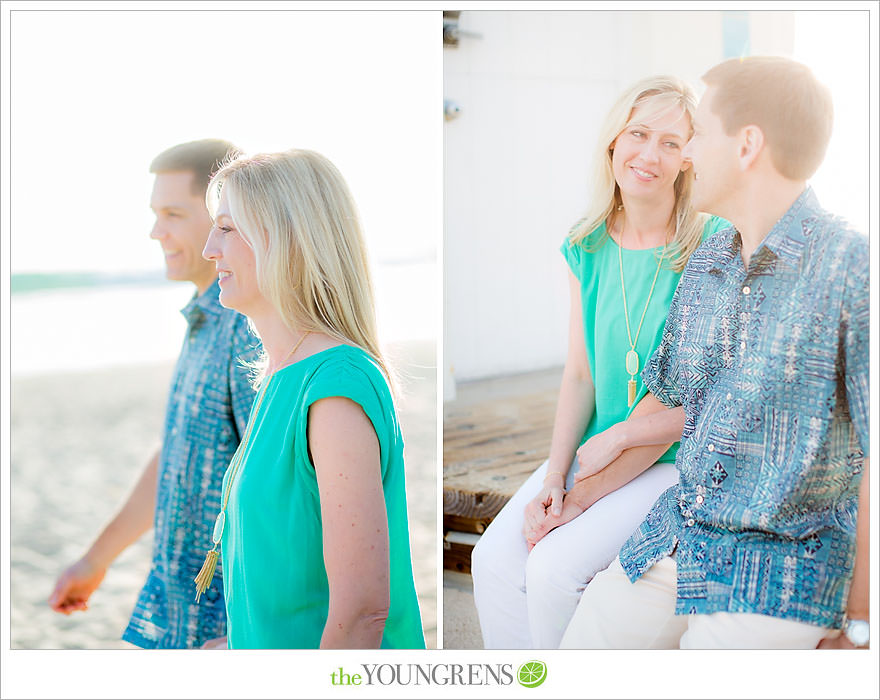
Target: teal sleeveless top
[(607, 343), (274, 578)]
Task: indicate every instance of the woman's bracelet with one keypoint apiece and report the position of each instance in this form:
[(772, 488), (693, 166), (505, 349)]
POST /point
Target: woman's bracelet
[(562, 474)]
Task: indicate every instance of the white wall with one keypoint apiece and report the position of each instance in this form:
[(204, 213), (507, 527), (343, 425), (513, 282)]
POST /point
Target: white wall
[(533, 91)]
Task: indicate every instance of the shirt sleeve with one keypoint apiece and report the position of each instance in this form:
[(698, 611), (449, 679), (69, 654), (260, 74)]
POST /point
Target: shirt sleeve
[(855, 320), (660, 374), (346, 380), (245, 349), (574, 256)]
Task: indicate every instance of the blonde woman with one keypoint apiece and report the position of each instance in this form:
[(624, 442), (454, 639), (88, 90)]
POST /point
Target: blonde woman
[(313, 529), (605, 469)]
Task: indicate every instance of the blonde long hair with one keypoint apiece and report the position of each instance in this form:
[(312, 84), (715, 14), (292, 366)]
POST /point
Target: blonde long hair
[(297, 213), (669, 92)]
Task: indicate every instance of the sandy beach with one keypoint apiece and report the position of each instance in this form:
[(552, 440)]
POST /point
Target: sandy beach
[(78, 443)]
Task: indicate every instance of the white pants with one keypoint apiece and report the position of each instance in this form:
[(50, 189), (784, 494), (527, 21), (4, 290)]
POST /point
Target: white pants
[(617, 614), (525, 600)]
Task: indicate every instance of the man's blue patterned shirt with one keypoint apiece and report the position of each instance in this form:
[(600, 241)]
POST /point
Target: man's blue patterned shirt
[(771, 366), (208, 409)]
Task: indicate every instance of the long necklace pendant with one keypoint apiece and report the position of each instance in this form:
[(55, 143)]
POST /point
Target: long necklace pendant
[(632, 366), (218, 527), (632, 362)]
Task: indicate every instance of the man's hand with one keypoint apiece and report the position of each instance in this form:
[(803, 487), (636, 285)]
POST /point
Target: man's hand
[(836, 641), (599, 451), (216, 643), (79, 580), (75, 586)]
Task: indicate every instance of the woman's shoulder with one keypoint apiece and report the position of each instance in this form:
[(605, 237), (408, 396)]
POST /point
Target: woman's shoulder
[(713, 225), (580, 248), (577, 237), (348, 370)]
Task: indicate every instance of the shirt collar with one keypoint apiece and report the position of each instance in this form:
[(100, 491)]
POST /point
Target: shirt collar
[(728, 249), (787, 237), (205, 304)]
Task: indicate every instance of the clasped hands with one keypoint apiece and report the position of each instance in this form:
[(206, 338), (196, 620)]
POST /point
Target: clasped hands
[(553, 506)]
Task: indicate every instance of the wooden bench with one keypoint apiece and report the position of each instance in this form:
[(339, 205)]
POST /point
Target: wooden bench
[(495, 434)]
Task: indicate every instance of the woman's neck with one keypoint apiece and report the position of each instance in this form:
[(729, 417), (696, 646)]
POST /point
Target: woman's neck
[(278, 340), (643, 223)]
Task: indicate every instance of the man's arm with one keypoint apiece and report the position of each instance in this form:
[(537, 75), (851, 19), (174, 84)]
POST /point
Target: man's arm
[(82, 578), (856, 353), (857, 607), (651, 424)]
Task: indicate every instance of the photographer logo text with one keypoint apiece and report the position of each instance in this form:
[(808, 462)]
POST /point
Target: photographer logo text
[(529, 675)]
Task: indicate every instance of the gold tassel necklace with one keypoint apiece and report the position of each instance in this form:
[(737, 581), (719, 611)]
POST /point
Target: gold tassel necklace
[(632, 357), (206, 573)]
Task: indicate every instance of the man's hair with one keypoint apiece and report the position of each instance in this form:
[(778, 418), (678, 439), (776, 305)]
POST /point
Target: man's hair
[(201, 158), (783, 98)]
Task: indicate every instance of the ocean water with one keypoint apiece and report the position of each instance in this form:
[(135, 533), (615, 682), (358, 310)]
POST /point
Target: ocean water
[(106, 325)]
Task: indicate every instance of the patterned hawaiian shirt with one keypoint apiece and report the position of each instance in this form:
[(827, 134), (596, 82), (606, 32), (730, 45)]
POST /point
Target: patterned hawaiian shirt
[(771, 366), (208, 409)]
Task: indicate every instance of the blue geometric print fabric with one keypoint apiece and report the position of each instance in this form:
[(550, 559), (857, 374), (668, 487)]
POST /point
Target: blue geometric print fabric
[(208, 408), (771, 366)]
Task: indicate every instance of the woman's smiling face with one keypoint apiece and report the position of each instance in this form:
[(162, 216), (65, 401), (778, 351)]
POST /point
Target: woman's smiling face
[(647, 154), (236, 263)]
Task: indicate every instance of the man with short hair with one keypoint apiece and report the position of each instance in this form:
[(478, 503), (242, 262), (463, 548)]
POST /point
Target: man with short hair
[(763, 543), (178, 492)]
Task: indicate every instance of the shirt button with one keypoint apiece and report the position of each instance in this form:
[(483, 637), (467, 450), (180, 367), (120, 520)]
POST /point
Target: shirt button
[(747, 290), (710, 447), (742, 345), (690, 522), (699, 499), (729, 396)]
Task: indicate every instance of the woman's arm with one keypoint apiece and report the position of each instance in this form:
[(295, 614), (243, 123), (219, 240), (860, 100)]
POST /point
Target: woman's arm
[(574, 409), (345, 452)]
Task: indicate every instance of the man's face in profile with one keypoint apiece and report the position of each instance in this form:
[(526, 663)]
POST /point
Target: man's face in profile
[(181, 228), (713, 155)]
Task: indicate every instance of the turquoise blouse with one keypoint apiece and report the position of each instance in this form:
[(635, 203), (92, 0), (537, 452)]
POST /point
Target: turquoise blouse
[(274, 578)]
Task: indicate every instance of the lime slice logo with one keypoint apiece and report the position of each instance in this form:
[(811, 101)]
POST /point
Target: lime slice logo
[(532, 673)]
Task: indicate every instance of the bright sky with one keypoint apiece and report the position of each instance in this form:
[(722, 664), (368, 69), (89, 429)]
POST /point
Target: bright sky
[(96, 95)]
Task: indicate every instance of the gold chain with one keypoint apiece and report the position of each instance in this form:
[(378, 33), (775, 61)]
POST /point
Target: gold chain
[(206, 574), (632, 357)]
